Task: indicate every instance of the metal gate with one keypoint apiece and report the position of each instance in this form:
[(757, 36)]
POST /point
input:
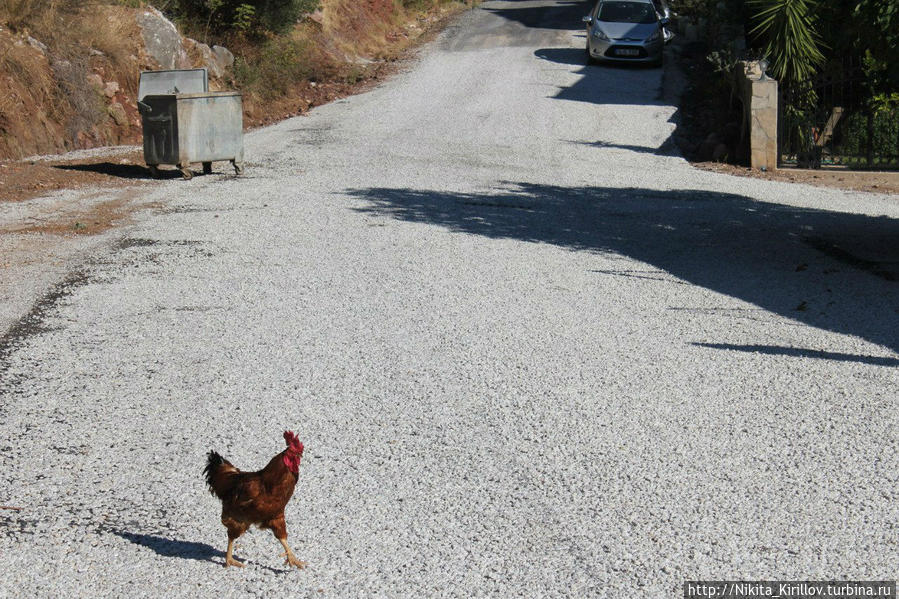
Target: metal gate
[(829, 122)]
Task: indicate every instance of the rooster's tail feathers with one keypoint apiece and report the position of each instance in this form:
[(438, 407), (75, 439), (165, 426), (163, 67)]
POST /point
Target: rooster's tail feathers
[(216, 471)]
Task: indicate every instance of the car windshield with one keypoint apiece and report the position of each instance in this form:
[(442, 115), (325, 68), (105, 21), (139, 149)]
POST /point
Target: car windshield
[(627, 12)]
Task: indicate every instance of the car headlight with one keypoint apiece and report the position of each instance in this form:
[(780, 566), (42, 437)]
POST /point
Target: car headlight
[(598, 34), (653, 37)]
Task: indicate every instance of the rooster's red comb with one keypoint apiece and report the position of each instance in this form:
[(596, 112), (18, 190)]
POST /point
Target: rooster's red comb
[(293, 441)]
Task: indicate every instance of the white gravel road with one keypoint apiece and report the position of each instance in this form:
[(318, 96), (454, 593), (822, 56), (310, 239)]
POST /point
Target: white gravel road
[(530, 351)]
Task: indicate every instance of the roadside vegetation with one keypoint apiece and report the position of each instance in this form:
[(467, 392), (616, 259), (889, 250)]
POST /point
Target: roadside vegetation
[(836, 67), (48, 50)]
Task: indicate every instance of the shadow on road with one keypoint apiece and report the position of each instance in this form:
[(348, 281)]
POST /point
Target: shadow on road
[(775, 350), (183, 549), (558, 15), (620, 85), (172, 547), (762, 253), (625, 84), (572, 56), (668, 147), (123, 171), (578, 57)]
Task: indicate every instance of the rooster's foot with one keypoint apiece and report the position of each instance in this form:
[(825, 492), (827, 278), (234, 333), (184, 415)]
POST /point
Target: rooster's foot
[(229, 560), (293, 561)]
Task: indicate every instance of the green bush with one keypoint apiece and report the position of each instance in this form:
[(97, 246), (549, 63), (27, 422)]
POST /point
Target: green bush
[(790, 36), (885, 138), (247, 16), (282, 62), (417, 4)]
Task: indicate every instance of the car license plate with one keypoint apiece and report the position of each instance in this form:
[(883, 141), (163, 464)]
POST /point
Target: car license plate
[(627, 52)]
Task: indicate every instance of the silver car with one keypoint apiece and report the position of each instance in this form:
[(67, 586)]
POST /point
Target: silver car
[(626, 31)]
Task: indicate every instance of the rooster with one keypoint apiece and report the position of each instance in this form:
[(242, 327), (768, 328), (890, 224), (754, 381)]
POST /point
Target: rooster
[(258, 498)]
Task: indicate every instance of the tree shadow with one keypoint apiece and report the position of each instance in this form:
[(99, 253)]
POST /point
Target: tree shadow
[(558, 15), (762, 253), (668, 147), (798, 352), (167, 547), (613, 84), (619, 84)]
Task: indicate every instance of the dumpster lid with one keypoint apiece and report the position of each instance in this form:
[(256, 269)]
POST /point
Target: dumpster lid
[(179, 81)]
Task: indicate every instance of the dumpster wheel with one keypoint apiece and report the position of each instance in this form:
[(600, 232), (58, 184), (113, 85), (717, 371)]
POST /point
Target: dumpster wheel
[(238, 167), (154, 170), (186, 173), (207, 168)]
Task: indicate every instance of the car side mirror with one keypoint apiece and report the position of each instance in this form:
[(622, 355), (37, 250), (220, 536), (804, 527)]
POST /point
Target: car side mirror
[(588, 20)]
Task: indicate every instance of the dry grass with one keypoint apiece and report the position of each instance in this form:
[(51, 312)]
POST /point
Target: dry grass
[(113, 30), (28, 103), (48, 48), (20, 14), (363, 27), (73, 29), (86, 108), (27, 67), (47, 20), (280, 63), (328, 49), (90, 221)]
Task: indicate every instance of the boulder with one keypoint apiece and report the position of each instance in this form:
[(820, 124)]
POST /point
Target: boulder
[(201, 55), (223, 57), (216, 59), (111, 89), (118, 114), (161, 38)]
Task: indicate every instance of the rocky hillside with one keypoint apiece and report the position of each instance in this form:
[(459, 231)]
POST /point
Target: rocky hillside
[(64, 98), (70, 77)]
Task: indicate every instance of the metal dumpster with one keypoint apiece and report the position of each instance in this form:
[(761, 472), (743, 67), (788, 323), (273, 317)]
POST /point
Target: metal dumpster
[(184, 122)]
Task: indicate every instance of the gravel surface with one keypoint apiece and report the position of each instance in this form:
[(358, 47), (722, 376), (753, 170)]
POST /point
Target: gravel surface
[(529, 350), (101, 152)]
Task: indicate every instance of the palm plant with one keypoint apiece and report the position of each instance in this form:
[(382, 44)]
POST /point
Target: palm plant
[(791, 40)]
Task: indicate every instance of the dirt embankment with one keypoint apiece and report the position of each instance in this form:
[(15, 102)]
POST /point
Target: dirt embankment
[(61, 95), (70, 76)]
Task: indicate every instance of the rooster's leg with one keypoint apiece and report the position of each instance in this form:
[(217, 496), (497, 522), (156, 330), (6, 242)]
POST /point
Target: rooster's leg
[(235, 529), (229, 560), (279, 528), (291, 558)]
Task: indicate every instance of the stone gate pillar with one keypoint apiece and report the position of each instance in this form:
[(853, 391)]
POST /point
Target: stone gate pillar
[(760, 106)]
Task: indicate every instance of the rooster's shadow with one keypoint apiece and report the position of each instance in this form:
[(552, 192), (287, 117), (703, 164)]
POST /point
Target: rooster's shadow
[(167, 547)]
